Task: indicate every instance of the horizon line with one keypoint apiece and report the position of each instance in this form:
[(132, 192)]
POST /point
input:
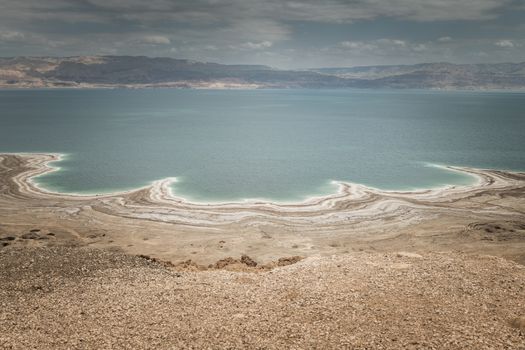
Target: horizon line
[(264, 65)]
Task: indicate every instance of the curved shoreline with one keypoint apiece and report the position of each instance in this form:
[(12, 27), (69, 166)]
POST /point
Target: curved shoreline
[(151, 221), (157, 201), (44, 160)]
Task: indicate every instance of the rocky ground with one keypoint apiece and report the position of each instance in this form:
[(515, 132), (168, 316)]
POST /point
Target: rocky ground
[(360, 269), (84, 298)]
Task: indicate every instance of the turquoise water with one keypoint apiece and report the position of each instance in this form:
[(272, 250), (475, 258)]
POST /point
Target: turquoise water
[(272, 144)]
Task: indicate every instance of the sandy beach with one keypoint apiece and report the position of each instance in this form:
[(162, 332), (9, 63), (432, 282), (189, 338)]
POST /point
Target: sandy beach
[(362, 268)]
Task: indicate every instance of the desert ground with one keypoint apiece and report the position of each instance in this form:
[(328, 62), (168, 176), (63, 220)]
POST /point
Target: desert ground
[(362, 268)]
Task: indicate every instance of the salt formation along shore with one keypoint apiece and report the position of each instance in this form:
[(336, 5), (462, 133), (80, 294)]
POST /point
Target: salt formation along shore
[(362, 268), (151, 220)]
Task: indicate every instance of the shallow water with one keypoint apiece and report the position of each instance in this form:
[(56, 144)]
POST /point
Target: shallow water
[(273, 144)]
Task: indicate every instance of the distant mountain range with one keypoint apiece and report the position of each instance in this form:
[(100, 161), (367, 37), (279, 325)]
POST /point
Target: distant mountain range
[(139, 71)]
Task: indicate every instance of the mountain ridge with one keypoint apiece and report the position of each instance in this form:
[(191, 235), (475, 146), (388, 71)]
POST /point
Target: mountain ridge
[(143, 71)]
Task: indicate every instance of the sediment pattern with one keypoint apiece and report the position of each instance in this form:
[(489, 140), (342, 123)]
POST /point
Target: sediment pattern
[(355, 210), (353, 203)]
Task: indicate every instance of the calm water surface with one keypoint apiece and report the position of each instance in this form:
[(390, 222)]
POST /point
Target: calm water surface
[(273, 144)]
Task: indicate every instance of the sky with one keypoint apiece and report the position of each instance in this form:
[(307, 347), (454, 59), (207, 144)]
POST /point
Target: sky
[(281, 34)]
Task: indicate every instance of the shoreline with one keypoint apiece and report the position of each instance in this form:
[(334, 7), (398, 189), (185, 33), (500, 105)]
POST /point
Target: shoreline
[(488, 218), (258, 87), (47, 158)]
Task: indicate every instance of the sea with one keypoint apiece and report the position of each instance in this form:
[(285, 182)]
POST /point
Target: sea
[(276, 145)]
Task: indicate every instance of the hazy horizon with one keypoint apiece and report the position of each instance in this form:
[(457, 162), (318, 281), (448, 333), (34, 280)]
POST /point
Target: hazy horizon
[(289, 68)]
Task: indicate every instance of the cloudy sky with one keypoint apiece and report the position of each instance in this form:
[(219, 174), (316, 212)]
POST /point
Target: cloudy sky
[(279, 33)]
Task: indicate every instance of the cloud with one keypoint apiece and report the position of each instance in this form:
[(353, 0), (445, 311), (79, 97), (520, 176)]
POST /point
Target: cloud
[(505, 43), (392, 42), (254, 46), (357, 45), (156, 40), (380, 46), (154, 12), (420, 47), (11, 36), (269, 31), (222, 22), (418, 10), (255, 30), (387, 51)]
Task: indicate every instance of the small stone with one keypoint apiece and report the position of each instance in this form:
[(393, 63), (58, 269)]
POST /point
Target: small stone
[(289, 260), (30, 235), (518, 322), (245, 259), (225, 262), (409, 255)]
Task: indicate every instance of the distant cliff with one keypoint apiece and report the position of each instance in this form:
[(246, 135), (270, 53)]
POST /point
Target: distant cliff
[(436, 75), (139, 71)]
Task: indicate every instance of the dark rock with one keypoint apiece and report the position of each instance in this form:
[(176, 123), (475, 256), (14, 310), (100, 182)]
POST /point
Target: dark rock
[(190, 265), (150, 259), (245, 259), (225, 262), (35, 230), (8, 238), (4, 244), (30, 235), (51, 234), (289, 260)]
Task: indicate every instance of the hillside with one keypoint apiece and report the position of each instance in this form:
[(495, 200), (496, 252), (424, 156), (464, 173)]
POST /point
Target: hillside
[(140, 71), (74, 298), (435, 75)]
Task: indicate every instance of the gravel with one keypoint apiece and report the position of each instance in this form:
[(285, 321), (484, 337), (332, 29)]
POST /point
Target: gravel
[(81, 298)]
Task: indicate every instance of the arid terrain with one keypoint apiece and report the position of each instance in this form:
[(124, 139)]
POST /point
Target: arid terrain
[(153, 72), (363, 268)]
